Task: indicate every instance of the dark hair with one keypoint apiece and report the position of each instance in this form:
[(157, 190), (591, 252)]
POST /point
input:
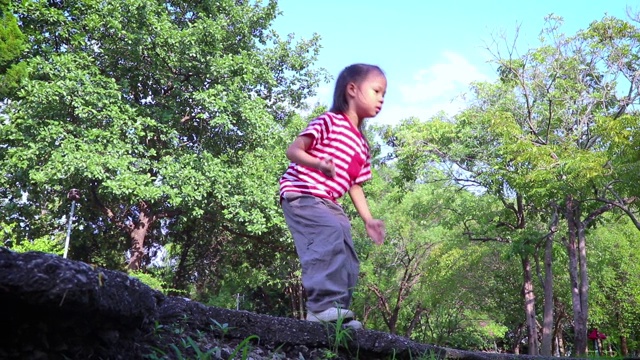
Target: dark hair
[(355, 73)]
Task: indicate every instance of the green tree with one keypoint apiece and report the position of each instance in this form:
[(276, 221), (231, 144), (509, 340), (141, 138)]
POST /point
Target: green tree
[(570, 98), (551, 138), (466, 150), (393, 271), (12, 45), (615, 294), (163, 114), (422, 282)]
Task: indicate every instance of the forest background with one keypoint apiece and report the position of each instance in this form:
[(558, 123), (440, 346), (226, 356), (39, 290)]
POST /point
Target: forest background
[(511, 220)]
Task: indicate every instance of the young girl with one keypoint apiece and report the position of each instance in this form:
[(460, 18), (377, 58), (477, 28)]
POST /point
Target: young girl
[(329, 158)]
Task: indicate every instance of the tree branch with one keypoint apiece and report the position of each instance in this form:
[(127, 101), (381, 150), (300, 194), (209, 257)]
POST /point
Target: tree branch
[(107, 211), (622, 205), (485, 239), (383, 303)]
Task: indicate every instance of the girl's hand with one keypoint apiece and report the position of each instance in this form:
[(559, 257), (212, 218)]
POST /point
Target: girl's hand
[(327, 167), (375, 230)]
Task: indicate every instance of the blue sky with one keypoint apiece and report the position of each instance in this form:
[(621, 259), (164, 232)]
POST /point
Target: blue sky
[(430, 50)]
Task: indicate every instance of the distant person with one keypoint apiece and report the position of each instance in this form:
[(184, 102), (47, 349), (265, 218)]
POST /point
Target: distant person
[(329, 158)]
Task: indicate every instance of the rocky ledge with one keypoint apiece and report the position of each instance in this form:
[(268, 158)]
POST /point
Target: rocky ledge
[(54, 308)]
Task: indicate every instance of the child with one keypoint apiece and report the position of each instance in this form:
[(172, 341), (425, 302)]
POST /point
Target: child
[(329, 158)]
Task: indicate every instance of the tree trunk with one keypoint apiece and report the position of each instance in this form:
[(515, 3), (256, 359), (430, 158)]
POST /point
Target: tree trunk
[(138, 234), (624, 347), (571, 242), (584, 286), (137, 230), (179, 280), (547, 316), (557, 331), (414, 321), (296, 297), (393, 322), (515, 346), (530, 306), (560, 345)]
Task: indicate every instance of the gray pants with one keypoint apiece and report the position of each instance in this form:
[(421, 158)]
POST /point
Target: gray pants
[(322, 235)]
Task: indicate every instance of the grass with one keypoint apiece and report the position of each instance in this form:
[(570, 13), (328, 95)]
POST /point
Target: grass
[(188, 345), (177, 342), (187, 348), (339, 337), (222, 328), (244, 346)]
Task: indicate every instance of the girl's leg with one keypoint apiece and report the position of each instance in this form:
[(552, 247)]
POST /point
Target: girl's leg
[(322, 235)]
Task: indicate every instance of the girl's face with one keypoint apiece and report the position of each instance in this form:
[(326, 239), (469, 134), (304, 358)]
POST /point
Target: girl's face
[(368, 96)]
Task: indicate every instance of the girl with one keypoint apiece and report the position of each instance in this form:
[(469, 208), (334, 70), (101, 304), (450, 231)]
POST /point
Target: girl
[(329, 158)]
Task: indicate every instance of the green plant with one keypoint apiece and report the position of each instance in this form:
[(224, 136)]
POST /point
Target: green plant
[(427, 355), (178, 330), (244, 346), (157, 354), (150, 280), (222, 328), (243, 349), (329, 354), (157, 327), (43, 244), (186, 344), (199, 353), (339, 336)]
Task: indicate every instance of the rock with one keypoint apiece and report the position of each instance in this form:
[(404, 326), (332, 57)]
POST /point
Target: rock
[(68, 308), (55, 308)]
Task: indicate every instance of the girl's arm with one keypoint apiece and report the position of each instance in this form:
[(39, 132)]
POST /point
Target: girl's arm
[(374, 227), (297, 153)]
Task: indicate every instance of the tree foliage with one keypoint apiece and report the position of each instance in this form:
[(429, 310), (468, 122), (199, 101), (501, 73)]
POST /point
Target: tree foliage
[(163, 115), (12, 45), (172, 118), (615, 294), (545, 140)]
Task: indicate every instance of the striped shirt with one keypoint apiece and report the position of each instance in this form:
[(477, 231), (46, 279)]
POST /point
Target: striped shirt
[(333, 136)]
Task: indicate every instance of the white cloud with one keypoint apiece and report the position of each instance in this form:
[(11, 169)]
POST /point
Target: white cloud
[(436, 88), (424, 93), (441, 79)]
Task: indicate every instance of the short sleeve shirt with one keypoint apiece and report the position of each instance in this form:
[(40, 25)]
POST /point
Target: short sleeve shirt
[(333, 135)]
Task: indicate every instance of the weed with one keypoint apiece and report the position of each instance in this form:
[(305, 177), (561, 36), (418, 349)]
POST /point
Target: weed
[(157, 328), (178, 330), (189, 345), (186, 344), (222, 328), (339, 336), (329, 354), (278, 355), (244, 346), (157, 354), (427, 355), (200, 355)]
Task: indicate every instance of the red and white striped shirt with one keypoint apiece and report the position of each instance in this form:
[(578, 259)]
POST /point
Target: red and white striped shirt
[(336, 137)]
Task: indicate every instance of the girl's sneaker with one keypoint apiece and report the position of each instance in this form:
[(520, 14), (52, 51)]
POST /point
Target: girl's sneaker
[(352, 324), (331, 314)]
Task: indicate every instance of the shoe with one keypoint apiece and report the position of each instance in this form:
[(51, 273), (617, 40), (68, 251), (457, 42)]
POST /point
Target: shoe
[(352, 324), (331, 314)]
